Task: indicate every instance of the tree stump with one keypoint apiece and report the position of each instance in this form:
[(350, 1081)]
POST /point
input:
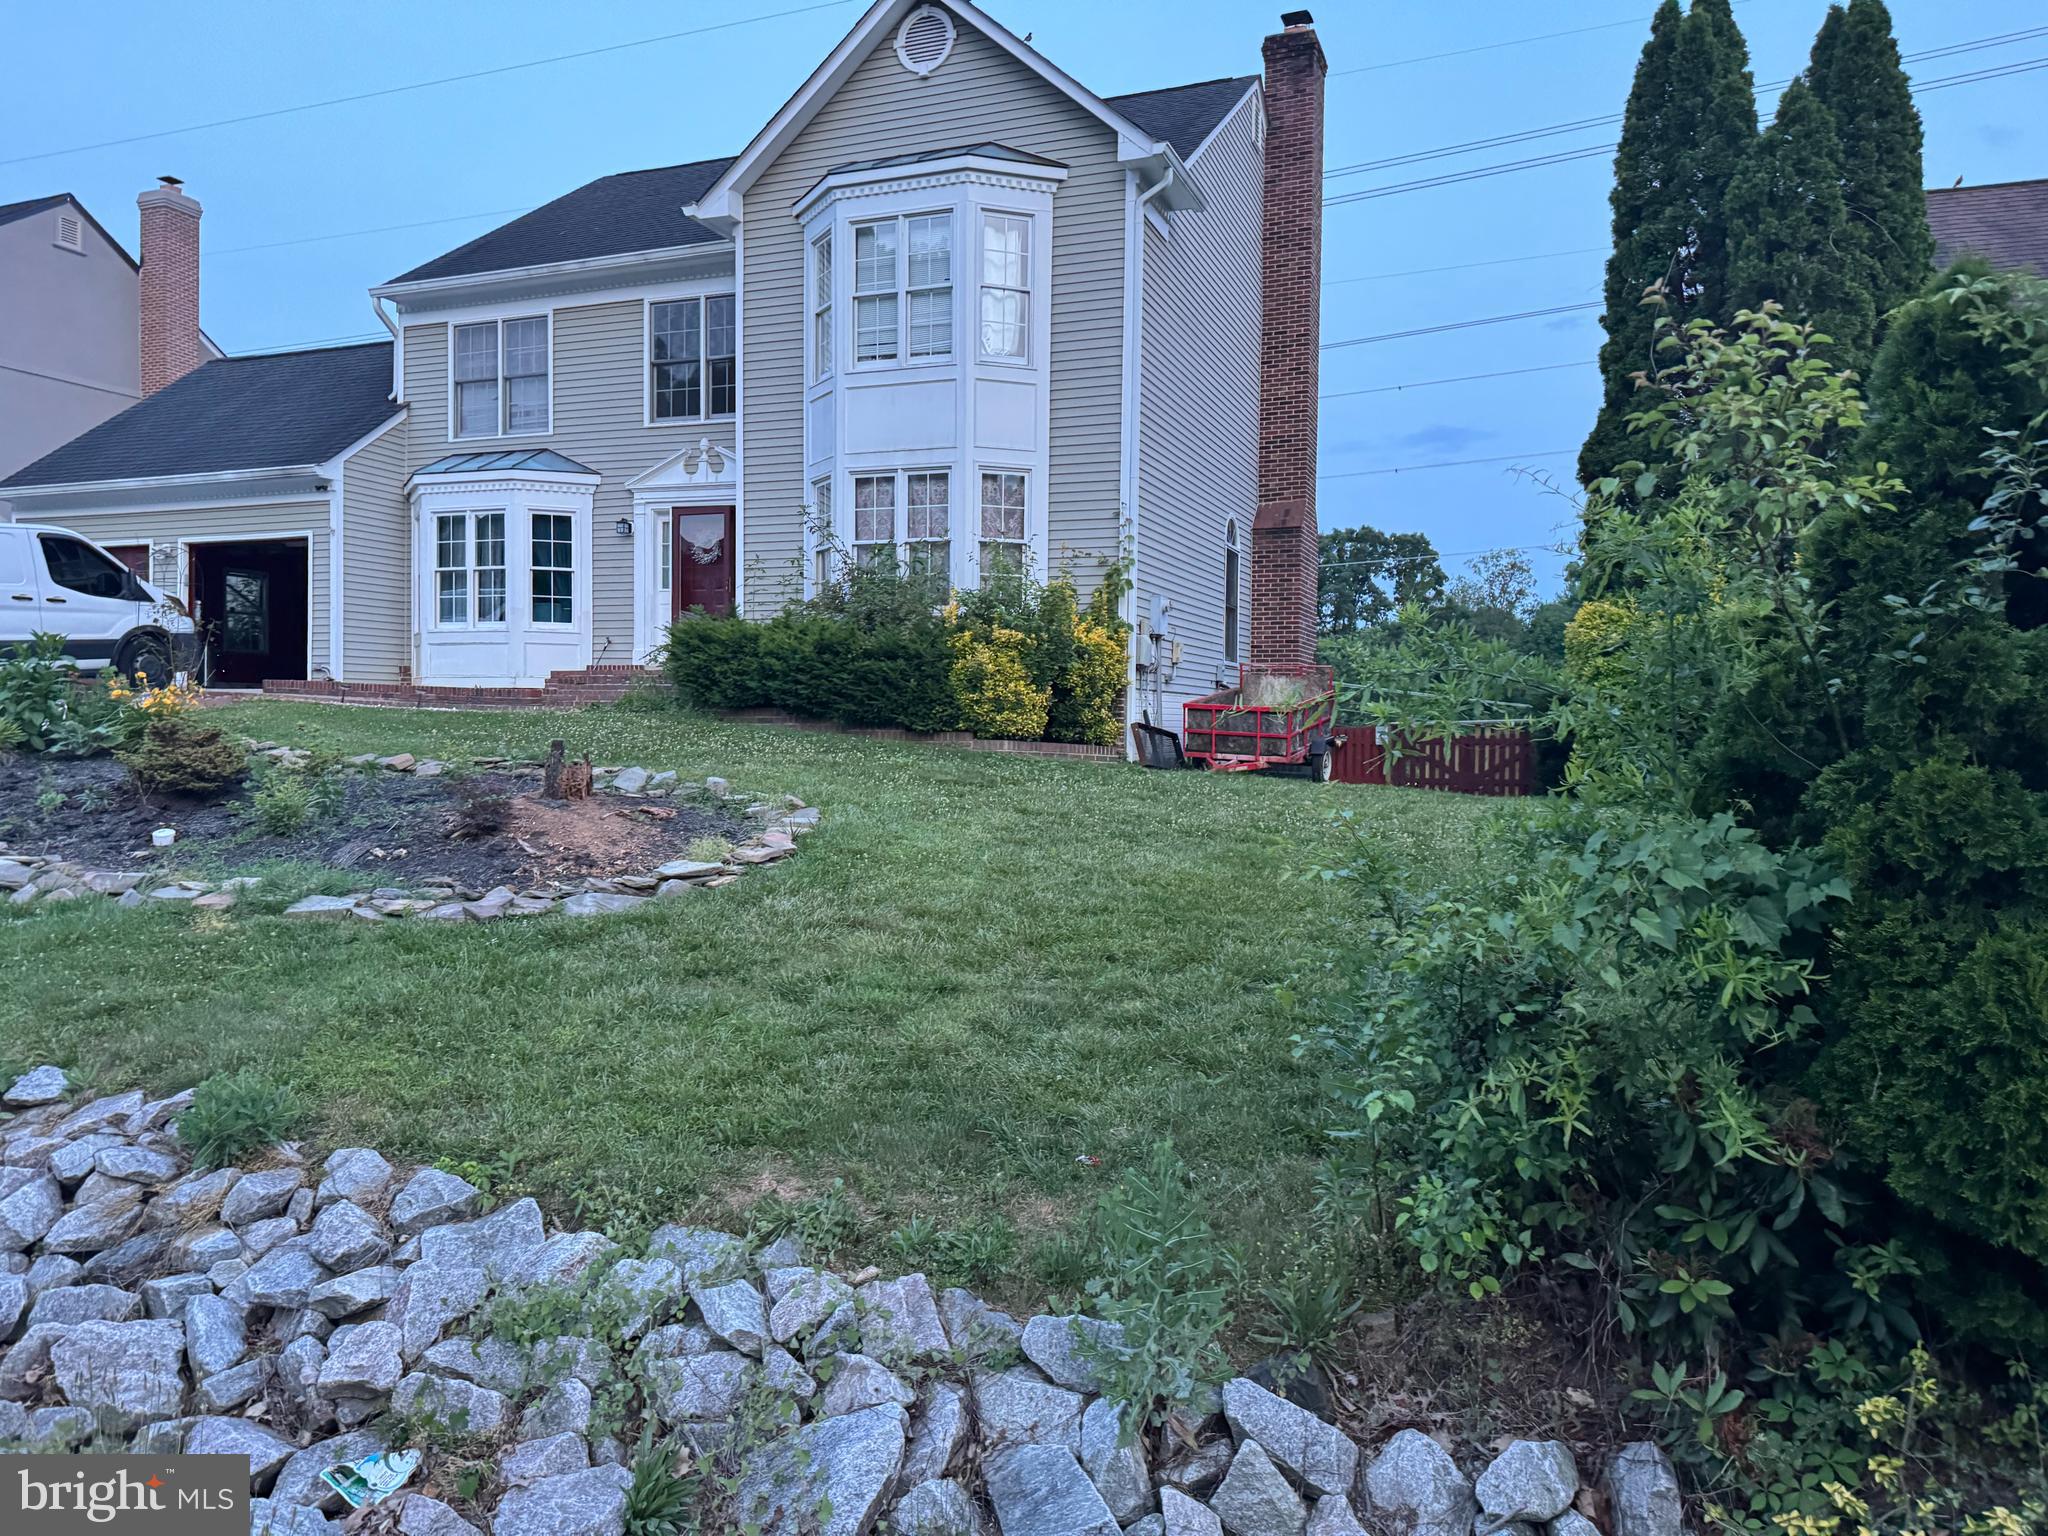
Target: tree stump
[(561, 779)]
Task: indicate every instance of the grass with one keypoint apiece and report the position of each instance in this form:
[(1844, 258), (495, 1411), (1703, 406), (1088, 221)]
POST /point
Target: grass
[(980, 970)]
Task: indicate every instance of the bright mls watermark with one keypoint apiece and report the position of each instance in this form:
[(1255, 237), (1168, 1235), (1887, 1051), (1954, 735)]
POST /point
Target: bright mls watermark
[(161, 1495)]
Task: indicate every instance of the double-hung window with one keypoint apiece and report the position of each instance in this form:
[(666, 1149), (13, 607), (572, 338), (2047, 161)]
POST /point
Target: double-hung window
[(1002, 525), (928, 529), (821, 532), (554, 568), (469, 569), (500, 370), (693, 352), (821, 307), (874, 520), (903, 289), (1005, 287)]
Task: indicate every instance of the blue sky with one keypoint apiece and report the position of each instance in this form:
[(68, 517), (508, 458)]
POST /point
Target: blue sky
[(84, 74)]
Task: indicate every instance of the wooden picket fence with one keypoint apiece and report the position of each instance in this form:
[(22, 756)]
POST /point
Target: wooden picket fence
[(1487, 760)]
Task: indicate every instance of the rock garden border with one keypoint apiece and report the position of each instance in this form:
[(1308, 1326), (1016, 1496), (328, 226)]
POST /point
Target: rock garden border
[(37, 879), (303, 1316)]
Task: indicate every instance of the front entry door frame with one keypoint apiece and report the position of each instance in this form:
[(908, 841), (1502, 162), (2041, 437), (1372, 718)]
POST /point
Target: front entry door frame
[(681, 598), (704, 477)]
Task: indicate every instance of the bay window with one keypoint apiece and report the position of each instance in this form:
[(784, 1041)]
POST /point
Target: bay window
[(928, 526), (499, 370), (821, 532), (693, 358), (821, 307), (903, 271), (469, 569), (874, 520), (1005, 287), (554, 568)]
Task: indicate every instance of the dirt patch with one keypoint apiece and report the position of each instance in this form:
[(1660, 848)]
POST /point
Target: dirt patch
[(397, 828)]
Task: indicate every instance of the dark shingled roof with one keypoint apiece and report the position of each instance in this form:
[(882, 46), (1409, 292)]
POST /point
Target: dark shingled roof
[(1184, 115), (612, 216), (2006, 223), (271, 412), (643, 210)]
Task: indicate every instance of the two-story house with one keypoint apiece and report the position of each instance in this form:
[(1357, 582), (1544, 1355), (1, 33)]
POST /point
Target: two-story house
[(947, 303), (72, 347)]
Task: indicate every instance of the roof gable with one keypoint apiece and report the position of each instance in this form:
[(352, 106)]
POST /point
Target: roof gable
[(1185, 115), (234, 414), (719, 204), (10, 212)]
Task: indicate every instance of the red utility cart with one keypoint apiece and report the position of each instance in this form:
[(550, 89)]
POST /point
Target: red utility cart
[(1275, 715)]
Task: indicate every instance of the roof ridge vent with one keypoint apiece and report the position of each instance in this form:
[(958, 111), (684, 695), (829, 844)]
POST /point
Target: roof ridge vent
[(925, 39)]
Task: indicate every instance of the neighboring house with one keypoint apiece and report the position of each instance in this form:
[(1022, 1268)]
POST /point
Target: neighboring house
[(947, 302), (2005, 223), (71, 347)]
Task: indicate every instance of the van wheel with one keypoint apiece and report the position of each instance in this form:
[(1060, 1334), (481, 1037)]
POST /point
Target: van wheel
[(146, 659)]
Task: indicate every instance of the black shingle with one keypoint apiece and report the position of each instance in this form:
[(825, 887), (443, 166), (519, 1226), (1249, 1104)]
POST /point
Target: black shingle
[(2007, 224), (1184, 115), (612, 216), (272, 412)]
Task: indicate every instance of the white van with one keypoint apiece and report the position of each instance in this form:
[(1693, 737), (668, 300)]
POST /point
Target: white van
[(54, 582)]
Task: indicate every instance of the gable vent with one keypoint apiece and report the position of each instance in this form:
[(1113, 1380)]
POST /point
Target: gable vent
[(925, 40), (70, 234)]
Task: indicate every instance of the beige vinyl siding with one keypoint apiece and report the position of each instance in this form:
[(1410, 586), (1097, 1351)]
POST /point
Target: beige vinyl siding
[(1198, 407), (599, 421), (980, 94), (220, 524), (376, 618)]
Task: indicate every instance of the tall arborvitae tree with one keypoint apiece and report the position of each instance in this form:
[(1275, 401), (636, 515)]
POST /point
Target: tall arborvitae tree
[(1691, 116), (1856, 73), (1788, 230)]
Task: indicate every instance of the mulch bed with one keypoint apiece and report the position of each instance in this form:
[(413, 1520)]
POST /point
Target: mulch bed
[(394, 827)]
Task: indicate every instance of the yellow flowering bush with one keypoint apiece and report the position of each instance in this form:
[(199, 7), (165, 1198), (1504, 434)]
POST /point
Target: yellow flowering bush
[(992, 680)]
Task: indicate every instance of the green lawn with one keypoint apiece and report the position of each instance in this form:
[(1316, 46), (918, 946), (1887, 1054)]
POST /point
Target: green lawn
[(980, 969)]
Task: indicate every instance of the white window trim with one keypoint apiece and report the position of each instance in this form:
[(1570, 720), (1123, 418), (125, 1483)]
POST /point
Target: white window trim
[(1033, 542), (544, 314), (665, 558), (823, 305), (1233, 591), (647, 416), (854, 363), (469, 515), (1034, 298), (578, 583)]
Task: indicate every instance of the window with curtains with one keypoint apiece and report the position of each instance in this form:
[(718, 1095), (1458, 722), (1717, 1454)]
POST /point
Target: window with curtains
[(1005, 287), (903, 289), (874, 519), (928, 532), (499, 371), (693, 358), (821, 533), (821, 307), (469, 569), (554, 568), (1002, 525)]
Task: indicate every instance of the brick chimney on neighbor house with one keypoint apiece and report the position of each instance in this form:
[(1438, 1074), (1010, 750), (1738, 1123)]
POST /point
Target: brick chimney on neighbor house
[(170, 285), (1285, 554)]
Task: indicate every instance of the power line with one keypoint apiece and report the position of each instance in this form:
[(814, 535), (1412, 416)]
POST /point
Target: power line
[(317, 341), (1513, 42), (348, 234), (1409, 469), (1463, 378), (1464, 266), (421, 85), (1461, 325)]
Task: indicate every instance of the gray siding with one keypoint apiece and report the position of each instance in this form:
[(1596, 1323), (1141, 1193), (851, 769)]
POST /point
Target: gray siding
[(1198, 405), (217, 523), (979, 94), (376, 624), (599, 416)]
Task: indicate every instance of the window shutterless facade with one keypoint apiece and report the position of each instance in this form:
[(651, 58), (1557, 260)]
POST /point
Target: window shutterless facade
[(821, 307), (903, 289), (1005, 287), (692, 358), (927, 532), (1230, 585), (874, 519), (499, 376), (1003, 501), (469, 569), (821, 533), (554, 568)]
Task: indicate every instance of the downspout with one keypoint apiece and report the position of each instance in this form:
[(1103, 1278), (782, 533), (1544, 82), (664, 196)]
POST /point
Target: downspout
[(1134, 323)]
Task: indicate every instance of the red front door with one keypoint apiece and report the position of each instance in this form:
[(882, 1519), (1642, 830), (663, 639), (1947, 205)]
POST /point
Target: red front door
[(702, 560)]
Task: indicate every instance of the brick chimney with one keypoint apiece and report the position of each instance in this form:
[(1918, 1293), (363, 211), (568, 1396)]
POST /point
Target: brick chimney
[(1285, 555), (170, 285)]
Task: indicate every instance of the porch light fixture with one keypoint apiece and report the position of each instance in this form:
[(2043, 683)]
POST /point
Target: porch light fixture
[(623, 527)]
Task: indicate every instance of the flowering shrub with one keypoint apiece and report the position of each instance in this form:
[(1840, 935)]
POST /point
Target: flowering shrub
[(992, 681), (1085, 699)]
